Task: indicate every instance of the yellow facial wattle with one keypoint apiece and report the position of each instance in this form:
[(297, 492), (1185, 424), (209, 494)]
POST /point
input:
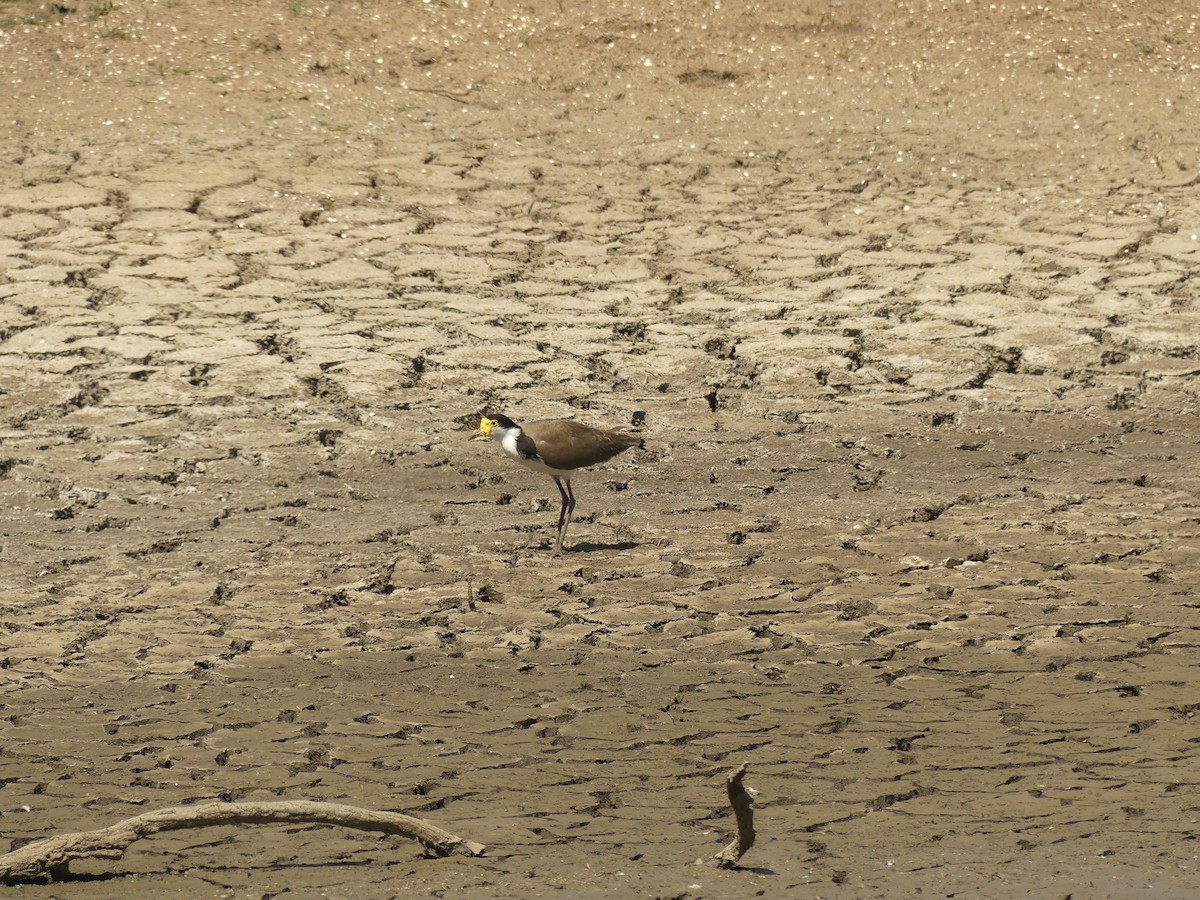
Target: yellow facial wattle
[(486, 425)]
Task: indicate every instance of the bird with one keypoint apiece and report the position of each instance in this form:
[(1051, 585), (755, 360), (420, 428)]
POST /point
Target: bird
[(558, 448)]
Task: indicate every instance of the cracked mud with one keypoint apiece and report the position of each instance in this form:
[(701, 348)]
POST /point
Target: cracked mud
[(903, 301)]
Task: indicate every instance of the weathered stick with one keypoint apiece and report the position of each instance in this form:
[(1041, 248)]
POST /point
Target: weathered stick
[(50, 857), (743, 811)]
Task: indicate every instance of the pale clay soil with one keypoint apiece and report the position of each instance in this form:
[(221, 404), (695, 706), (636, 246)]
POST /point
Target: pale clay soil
[(903, 298)]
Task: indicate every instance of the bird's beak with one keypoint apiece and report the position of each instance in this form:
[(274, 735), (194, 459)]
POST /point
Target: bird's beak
[(485, 427)]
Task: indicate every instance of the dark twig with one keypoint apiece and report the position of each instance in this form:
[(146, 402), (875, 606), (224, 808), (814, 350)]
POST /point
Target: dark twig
[(443, 92), (743, 811)]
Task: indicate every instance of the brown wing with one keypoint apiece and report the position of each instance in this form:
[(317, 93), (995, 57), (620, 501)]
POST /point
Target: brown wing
[(563, 444)]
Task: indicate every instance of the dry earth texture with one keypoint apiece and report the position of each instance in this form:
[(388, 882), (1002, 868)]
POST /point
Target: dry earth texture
[(902, 296)]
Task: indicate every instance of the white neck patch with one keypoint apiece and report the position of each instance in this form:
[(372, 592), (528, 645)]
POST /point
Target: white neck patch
[(508, 442)]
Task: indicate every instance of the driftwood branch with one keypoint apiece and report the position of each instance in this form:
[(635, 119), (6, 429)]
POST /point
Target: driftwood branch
[(743, 811), (50, 857)]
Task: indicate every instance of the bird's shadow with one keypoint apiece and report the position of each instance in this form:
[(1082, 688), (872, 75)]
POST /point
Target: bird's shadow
[(593, 546)]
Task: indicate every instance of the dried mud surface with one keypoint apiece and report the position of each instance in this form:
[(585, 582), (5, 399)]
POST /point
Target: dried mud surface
[(902, 298)]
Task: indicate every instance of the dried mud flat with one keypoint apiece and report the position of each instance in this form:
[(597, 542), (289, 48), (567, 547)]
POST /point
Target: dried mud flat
[(903, 302)]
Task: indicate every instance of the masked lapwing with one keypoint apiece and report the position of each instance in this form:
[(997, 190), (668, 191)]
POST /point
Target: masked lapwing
[(558, 448)]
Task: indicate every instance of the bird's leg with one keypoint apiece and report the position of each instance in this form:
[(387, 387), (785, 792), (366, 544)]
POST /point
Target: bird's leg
[(567, 501), (565, 518)]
